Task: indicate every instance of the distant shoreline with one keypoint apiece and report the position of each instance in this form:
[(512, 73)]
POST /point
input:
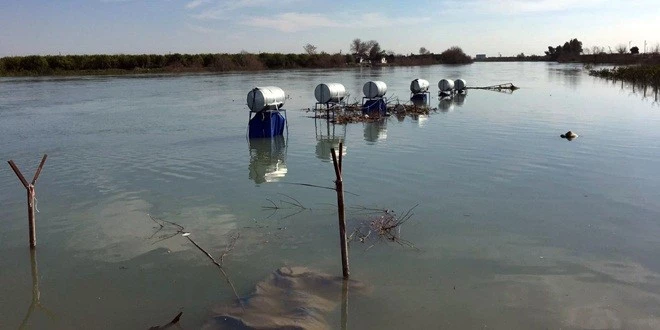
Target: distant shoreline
[(614, 59), (145, 64), (100, 64)]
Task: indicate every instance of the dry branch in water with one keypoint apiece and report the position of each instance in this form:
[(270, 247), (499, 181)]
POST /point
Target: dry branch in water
[(181, 230), (169, 325), (383, 224)]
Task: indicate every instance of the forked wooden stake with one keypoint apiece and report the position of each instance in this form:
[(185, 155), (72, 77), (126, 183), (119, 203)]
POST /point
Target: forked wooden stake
[(339, 187), (29, 186)]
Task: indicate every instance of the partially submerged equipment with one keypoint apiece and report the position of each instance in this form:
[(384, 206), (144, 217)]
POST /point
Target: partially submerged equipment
[(265, 117), (374, 89), (330, 93), (265, 98), (418, 86), (446, 86), (374, 100), (460, 85), (419, 92), (329, 96)]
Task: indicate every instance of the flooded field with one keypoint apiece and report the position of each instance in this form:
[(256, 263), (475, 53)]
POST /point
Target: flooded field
[(514, 228)]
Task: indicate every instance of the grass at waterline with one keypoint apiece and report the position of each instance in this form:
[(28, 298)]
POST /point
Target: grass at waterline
[(639, 74)]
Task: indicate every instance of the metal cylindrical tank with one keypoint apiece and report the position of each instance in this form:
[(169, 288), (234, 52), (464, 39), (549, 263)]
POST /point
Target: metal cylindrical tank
[(419, 86), (445, 85), (262, 98), (373, 89), (332, 92), (459, 84)]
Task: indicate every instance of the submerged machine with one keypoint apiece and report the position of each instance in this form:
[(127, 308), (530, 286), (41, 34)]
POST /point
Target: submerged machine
[(419, 92), (374, 100), (266, 118)]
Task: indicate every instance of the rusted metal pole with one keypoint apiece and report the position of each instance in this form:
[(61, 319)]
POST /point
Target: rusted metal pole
[(30, 197), (339, 187)]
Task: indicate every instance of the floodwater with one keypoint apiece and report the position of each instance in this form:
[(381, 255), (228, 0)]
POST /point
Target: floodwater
[(515, 227)]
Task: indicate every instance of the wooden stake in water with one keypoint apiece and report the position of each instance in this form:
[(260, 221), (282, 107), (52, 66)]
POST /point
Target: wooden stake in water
[(339, 187), (29, 186)]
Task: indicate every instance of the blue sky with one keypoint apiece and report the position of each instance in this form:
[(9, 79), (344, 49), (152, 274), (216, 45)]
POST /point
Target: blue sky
[(200, 26)]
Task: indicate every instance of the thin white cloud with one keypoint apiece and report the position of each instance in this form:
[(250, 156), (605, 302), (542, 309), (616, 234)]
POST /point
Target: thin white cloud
[(294, 22), (224, 10), (196, 3), (202, 30), (531, 6)]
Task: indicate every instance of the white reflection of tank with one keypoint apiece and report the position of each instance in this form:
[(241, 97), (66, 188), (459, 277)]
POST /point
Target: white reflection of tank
[(421, 120), (267, 159), (375, 130), (328, 136), (446, 104), (459, 99)]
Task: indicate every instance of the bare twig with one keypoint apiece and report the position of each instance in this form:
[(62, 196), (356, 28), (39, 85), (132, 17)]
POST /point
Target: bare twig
[(222, 270), (169, 325), (316, 186), (386, 225), (229, 248)]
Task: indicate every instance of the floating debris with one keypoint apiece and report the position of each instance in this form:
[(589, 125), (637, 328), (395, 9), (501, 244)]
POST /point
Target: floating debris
[(505, 88), (569, 136)]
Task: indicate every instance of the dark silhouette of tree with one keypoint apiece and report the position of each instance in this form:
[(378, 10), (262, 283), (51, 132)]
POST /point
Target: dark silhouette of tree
[(424, 51), (454, 55), (634, 50), (359, 47), (310, 49), (572, 47), (375, 53)]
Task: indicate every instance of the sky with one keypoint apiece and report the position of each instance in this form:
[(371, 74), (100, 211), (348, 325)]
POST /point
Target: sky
[(492, 27)]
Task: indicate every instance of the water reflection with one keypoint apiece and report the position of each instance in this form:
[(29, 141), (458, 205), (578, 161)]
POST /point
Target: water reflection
[(446, 104), (328, 136), (420, 100), (267, 159), (375, 130), (36, 293), (644, 91), (420, 119), (570, 76), (459, 99)]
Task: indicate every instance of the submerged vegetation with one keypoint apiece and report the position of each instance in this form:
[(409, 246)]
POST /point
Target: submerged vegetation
[(640, 74)]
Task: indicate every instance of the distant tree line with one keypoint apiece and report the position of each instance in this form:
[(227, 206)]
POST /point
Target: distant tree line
[(61, 64), (153, 63)]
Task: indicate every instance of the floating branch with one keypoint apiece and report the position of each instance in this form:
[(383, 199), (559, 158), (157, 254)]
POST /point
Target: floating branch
[(385, 225), (181, 230), (174, 321), (508, 88), (316, 186)]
